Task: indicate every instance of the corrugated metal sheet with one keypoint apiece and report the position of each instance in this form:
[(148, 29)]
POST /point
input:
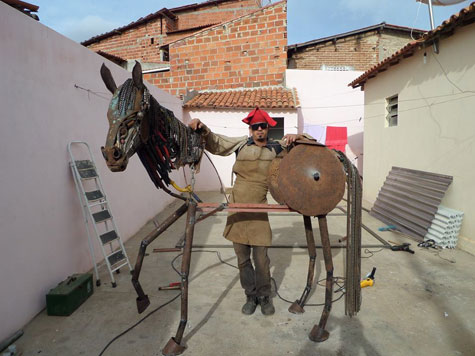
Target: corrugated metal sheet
[(409, 200)]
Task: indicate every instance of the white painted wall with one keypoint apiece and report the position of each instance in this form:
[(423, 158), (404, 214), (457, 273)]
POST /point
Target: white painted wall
[(326, 100), (436, 125), (229, 123), (42, 234)]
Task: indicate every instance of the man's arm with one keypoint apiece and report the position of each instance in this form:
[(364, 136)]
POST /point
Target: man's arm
[(291, 138), (215, 143)]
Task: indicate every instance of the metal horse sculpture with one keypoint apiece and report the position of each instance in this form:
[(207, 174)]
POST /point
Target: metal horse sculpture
[(311, 182)]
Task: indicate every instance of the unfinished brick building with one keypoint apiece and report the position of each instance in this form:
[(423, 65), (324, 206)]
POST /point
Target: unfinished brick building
[(246, 52), (141, 39), (356, 50)]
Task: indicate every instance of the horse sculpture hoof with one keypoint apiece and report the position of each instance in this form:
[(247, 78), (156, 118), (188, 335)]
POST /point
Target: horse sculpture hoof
[(142, 303), (295, 308), (172, 348), (318, 334)]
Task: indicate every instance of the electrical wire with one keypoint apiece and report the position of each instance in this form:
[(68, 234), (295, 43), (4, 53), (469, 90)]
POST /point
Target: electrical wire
[(414, 24), (368, 251), (336, 280), (448, 79), (138, 322)]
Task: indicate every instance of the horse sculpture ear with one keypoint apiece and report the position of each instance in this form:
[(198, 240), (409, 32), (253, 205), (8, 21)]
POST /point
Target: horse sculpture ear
[(107, 78), (137, 75)]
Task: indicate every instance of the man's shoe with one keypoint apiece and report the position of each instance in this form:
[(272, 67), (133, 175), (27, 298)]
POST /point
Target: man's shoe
[(250, 306), (267, 308)]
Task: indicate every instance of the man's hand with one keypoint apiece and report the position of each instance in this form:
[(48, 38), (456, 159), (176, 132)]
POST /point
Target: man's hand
[(291, 138), (195, 124)]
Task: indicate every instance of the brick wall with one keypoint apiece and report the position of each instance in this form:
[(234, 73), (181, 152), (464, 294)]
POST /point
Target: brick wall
[(142, 42), (361, 51), (248, 52), (391, 42)]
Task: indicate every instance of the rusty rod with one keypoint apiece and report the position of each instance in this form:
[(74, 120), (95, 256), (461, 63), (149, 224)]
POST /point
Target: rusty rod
[(185, 270), (297, 306), (318, 332), (142, 299)]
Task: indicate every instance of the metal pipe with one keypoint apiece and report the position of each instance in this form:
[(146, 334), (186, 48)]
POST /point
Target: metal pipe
[(432, 26), (431, 15), (318, 333), (371, 232), (297, 306), (142, 299), (185, 270), (289, 246)]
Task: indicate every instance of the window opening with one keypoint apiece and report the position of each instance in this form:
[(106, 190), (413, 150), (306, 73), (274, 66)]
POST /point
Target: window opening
[(392, 111), (165, 54), (277, 132)]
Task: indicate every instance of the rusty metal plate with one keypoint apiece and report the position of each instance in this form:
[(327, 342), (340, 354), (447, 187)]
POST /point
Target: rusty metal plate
[(272, 180), (311, 180)]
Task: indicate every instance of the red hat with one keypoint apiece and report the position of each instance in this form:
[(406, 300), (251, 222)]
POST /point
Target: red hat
[(257, 115)]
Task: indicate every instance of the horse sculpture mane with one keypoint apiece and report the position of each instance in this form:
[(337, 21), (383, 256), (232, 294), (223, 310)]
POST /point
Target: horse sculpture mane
[(139, 124)]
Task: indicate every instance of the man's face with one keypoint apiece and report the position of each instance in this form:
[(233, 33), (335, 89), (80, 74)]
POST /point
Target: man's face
[(259, 131)]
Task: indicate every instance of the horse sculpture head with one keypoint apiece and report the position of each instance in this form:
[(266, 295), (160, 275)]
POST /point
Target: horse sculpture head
[(127, 118), (139, 124)]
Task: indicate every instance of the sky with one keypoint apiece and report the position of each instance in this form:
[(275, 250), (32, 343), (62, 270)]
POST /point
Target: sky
[(307, 19)]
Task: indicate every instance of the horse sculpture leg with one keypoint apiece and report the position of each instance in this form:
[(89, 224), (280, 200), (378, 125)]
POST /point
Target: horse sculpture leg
[(173, 346), (297, 306), (142, 299), (318, 333)]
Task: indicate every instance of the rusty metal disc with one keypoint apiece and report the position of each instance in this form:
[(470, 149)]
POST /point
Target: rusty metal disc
[(311, 180), (272, 180)]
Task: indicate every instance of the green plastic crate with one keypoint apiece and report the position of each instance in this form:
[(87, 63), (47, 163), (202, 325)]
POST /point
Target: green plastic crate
[(69, 294)]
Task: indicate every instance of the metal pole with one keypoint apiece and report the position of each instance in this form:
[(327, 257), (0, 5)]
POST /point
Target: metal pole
[(429, 3), (431, 16)]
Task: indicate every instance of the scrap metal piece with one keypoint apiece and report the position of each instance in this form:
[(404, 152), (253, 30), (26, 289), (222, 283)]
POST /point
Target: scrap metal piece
[(297, 306), (272, 180), (311, 179)]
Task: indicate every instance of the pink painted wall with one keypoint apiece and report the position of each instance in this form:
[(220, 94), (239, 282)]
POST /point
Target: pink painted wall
[(42, 234), (228, 122), (326, 100)]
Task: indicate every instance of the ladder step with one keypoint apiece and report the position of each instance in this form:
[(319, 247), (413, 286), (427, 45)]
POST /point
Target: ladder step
[(94, 195), (84, 164), (101, 216), (88, 173), (116, 257), (108, 237)]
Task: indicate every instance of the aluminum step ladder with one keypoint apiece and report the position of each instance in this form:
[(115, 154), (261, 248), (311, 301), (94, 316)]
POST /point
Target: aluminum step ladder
[(96, 211)]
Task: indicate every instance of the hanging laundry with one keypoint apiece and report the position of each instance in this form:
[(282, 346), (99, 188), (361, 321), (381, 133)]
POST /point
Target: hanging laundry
[(318, 132), (336, 138)]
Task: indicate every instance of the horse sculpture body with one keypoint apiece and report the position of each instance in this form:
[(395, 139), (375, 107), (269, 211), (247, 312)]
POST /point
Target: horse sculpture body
[(139, 124)]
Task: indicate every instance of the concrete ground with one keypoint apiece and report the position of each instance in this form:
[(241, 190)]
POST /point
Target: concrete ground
[(421, 304)]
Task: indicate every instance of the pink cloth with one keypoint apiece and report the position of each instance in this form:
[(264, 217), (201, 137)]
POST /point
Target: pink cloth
[(336, 138)]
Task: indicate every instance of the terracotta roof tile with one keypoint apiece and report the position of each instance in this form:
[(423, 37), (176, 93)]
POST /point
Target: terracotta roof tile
[(266, 98), (464, 17)]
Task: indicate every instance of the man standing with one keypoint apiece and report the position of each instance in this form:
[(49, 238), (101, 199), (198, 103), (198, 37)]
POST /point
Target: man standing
[(250, 232)]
